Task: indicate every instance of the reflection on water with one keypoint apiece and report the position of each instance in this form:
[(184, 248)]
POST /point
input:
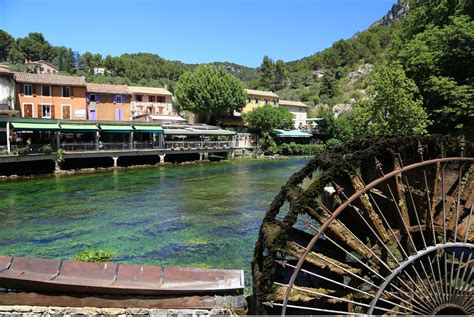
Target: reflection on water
[(204, 215)]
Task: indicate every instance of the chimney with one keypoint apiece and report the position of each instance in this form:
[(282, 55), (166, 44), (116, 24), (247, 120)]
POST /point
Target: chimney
[(166, 86)]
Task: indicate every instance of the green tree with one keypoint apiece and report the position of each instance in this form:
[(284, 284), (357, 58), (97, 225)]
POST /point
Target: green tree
[(281, 75), (267, 72), (210, 92), (328, 86), (393, 106), (35, 47), (264, 119), (441, 62), (15, 55), (6, 43)]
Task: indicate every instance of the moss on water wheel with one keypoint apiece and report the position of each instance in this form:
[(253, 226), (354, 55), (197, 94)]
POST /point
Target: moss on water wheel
[(421, 211)]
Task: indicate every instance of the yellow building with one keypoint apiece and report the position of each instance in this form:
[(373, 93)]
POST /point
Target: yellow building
[(259, 98)]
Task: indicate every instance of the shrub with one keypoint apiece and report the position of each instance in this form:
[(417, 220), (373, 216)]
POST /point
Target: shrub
[(332, 143), (46, 149), (301, 149), (22, 150), (94, 255), (60, 156)]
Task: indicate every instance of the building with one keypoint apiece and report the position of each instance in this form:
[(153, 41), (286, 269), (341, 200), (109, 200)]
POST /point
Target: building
[(259, 98), (108, 102), (151, 101), (7, 93), (50, 96), (299, 111), (255, 99), (42, 67)]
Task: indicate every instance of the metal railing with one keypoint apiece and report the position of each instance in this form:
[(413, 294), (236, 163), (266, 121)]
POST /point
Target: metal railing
[(4, 150), (118, 146), (81, 147), (194, 145)]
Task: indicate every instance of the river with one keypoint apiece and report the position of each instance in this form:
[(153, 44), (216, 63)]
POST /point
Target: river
[(204, 215)]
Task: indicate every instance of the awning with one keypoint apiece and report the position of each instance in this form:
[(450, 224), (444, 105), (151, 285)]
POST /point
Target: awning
[(116, 128), (78, 127), (180, 132), (27, 126), (166, 118), (148, 128), (291, 134), (213, 132), (197, 132)]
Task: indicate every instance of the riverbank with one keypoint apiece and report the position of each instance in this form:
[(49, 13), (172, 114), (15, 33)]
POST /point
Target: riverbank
[(158, 165)]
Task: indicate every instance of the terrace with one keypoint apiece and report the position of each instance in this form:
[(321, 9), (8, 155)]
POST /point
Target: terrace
[(36, 137)]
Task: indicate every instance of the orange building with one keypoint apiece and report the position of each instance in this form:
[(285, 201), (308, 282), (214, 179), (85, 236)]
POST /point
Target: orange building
[(50, 96), (108, 102)]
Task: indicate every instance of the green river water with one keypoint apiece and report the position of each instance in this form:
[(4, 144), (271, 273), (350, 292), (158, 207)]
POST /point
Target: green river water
[(205, 215)]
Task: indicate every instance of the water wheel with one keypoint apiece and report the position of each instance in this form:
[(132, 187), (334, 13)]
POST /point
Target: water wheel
[(372, 227)]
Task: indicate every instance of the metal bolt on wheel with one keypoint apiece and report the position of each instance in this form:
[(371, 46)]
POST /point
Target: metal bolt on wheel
[(373, 228)]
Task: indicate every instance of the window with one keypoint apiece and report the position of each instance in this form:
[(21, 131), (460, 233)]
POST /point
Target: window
[(151, 98), (45, 111), (92, 98), (66, 92), (266, 101), (256, 101), (249, 100), (46, 91), (274, 102), (138, 97), (118, 99), (161, 99), (28, 90)]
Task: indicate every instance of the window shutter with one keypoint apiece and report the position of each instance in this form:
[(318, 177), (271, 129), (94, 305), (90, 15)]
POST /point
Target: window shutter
[(87, 98), (52, 112), (71, 92), (124, 99), (97, 98), (115, 99), (22, 87), (38, 112)]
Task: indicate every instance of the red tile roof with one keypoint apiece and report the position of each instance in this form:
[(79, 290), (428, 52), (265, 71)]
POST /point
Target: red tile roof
[(50, 79), (108, 89)]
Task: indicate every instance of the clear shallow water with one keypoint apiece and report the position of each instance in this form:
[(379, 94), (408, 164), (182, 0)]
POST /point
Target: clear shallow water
[(205, 215)]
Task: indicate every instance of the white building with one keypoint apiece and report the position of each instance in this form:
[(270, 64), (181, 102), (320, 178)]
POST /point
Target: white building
[(299, 111), (151, 101), (42, 67), (7, 92)]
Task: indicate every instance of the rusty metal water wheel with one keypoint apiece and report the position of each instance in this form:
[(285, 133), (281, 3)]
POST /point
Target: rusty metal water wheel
[(373, 227)]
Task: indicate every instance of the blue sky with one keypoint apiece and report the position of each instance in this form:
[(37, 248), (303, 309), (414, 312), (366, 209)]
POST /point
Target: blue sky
[(194, 31)]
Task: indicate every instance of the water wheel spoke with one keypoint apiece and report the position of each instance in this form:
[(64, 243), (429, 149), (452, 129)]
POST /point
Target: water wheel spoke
[(387, 230)]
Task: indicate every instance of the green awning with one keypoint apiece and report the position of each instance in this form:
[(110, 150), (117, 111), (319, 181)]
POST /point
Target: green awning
[(116, 128), (78, 127), (27, 126), (291, 134), (148, 128)]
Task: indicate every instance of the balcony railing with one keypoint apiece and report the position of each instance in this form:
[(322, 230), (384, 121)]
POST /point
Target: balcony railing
[(120, 146), (194, 145)]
